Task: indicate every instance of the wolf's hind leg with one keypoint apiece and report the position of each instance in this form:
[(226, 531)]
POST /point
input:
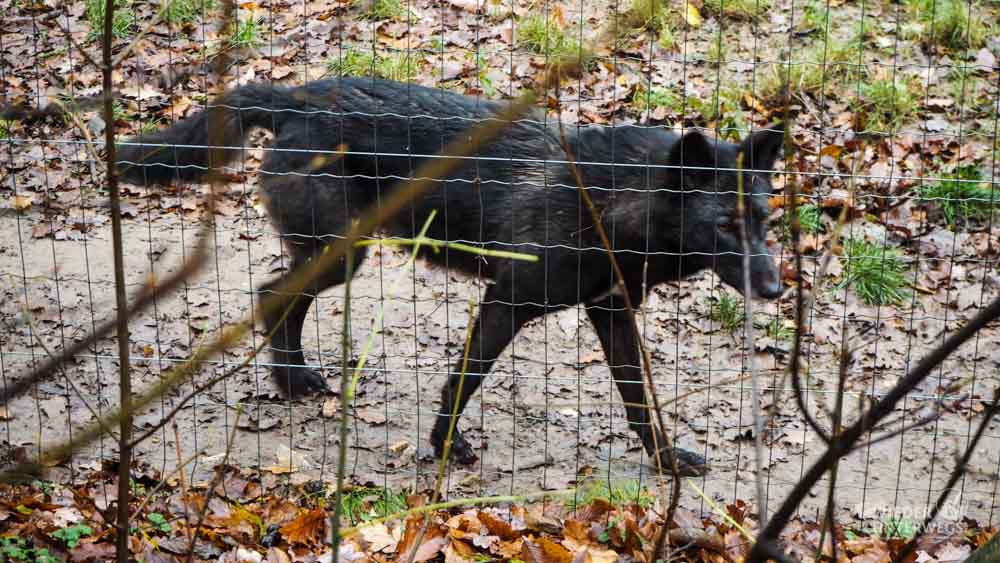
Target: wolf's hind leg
[(289, 370)]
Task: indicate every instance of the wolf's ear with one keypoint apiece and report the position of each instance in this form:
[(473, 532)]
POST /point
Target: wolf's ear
[(763, 147), (693, 149)]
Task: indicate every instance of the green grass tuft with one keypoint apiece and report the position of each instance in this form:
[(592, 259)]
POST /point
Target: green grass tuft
[(810, 221), (722, 109), (642, 16), (547, 38), (248, 33), (717, 52), (382, 9), (367, 503), (616, 493), (6, 127), (775, 327), (966, 89), (820, 69), (876, 272), (739, 9), (954, 24), (352, 62), (646, 14), (815, 17), (884, 105), (121, 25), (180, 12), (727, 310), (897, 528), (656, 98), (962, 197)]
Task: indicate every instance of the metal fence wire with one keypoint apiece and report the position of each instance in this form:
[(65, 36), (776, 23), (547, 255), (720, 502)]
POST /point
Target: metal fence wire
[(892, 112)]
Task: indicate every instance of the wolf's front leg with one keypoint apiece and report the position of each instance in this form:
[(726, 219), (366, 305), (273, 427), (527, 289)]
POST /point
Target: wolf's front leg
[(621, 348)]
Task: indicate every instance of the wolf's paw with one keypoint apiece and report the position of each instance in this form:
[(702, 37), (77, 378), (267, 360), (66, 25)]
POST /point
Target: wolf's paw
[(461, 450), (298, 381), (689, 464)]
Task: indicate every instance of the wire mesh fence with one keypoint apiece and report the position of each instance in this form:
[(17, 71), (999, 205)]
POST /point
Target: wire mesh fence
[(880, 212)]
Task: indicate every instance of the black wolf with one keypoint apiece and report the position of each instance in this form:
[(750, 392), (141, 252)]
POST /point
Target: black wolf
[(668, 202)]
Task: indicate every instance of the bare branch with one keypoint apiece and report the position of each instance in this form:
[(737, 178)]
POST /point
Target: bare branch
[(121, 299), (845, 443), (956, 474), (748, 347), (803, 304), (216, 479)]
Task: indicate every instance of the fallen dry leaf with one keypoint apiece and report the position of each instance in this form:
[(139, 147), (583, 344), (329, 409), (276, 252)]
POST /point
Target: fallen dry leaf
[(330, 407), (433, 540), (288, 461), (497, 526), (21, 203), (544, 550), (275, 555), (458, 552), (307, 528), (379, 538), (692, 16)]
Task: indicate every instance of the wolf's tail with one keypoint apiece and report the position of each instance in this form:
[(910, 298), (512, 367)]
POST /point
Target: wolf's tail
[(183, 152)]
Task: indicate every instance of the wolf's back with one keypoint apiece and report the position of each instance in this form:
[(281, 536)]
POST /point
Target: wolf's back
[(188, 149)]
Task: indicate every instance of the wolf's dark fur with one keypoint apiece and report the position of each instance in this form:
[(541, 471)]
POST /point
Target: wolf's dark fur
[(665, 222)]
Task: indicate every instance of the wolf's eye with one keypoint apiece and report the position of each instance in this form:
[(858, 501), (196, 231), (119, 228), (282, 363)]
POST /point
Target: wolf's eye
[(727, 225)]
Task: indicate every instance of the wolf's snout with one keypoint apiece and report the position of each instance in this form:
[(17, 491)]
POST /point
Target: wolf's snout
[(768, 282), (770, 290)]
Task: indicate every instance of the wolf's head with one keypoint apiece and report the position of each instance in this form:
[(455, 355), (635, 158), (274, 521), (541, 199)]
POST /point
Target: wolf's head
[(703, 178)]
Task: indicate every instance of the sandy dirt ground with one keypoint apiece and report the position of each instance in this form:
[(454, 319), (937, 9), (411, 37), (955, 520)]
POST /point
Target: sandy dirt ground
[(544, 419)]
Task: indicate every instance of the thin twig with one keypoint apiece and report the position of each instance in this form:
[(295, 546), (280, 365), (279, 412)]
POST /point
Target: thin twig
[(829, 515), (145, 297), (748, 346), (163, 483), (909, 427), (75, 119), (991, 411), (134, 41), (183, 483), (345, 400), (216, 479), (720, 511), (121, 299), (212, 382), (380, 314), (453, 420), (804, 303), (87, 58), (443, 466), (659, 428), (38, 338), (437, 244)]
